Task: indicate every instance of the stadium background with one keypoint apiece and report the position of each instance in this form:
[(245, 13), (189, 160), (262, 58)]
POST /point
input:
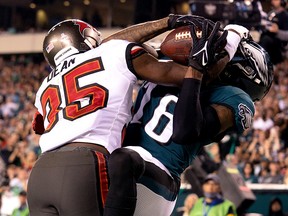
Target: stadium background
[(23, 25)]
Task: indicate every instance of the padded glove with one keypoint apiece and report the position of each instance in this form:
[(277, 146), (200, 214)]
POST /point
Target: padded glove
[(175, 21), (203, 50)]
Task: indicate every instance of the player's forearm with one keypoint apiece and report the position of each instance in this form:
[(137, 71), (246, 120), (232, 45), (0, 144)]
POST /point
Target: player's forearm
[(188, 116), (193, 73), (141, 32)]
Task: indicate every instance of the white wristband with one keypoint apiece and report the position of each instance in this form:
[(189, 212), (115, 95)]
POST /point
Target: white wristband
[(233, 40)]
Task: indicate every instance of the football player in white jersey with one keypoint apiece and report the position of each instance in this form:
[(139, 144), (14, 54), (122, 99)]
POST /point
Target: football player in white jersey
[(84, 105)]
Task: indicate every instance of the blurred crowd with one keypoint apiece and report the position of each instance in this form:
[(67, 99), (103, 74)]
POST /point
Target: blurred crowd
[(261, 154), (20, 78)]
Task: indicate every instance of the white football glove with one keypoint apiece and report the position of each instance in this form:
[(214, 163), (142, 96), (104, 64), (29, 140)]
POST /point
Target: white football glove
[(235, 34)]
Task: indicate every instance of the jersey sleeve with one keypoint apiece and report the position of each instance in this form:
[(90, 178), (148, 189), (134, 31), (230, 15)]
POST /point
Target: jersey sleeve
[(123, 51), (238, 101), (133, 51)]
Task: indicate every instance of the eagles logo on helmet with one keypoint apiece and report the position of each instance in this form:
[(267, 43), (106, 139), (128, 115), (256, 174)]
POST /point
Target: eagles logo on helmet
[(250, 69)]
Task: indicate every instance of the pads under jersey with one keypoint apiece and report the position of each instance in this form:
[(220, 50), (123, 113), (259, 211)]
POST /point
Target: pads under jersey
[(88, 98), (151, 126)]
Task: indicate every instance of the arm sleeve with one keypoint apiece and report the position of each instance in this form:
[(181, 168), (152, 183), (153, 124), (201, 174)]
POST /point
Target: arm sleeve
[(189, 120)]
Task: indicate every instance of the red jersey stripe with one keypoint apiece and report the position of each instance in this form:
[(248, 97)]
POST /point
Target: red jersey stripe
[(137, 51)]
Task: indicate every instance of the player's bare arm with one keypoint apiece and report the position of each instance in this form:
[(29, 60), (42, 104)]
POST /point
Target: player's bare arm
[(141, 32), (149, 68), (225, 116)]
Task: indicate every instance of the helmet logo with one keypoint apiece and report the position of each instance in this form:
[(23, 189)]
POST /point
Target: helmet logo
[(257, 59), (246, 116), (82, 27)]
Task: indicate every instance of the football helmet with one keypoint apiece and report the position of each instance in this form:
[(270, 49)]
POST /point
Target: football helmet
[(250, 69), (68, 38)]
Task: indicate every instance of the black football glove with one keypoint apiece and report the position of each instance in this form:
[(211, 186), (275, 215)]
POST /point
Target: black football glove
[(176, 21), (204, 49)]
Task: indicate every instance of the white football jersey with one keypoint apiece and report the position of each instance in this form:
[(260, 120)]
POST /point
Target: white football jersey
[(88, 98)]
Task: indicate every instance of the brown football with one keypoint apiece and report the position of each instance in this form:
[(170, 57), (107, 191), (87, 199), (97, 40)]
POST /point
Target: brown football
[(177, 45)]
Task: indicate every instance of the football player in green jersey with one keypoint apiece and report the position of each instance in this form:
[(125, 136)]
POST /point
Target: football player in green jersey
[(170, 126)]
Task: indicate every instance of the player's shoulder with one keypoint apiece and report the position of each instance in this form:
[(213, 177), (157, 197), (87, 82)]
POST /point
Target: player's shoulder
[(238, 101), (118, 46), (228, 91), (116, 42), (230, 94)]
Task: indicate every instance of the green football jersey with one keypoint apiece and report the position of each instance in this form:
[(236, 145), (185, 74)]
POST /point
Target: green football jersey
[(151, 126)]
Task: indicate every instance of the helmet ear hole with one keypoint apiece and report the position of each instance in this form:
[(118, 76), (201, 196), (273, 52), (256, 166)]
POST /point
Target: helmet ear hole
[(93, 36)]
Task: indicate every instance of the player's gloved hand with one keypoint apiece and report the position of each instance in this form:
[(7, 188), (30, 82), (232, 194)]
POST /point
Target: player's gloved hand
[(203, 51), (175, 21), (172, 19), (38, 123), (235, 34)]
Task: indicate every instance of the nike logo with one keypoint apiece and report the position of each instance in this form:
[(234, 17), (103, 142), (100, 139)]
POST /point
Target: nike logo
[(204, 55)]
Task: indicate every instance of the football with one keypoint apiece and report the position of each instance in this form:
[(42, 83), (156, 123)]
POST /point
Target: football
[(177, 45)]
